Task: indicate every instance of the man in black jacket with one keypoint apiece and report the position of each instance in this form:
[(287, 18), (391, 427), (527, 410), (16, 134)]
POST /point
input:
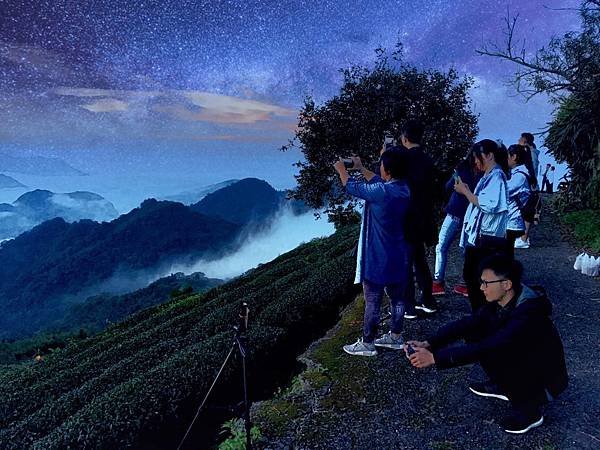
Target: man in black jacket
[(420, 228), (514, 340)]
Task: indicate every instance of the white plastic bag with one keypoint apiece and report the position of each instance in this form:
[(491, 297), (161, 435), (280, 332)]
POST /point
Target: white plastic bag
[(586, 264), (595, 267), (577, 265)]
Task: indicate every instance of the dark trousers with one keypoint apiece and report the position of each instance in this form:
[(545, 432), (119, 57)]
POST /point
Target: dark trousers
[(471, 274), (516, 378), (511, 237), (422, 274), (398, 293), (547, 186)]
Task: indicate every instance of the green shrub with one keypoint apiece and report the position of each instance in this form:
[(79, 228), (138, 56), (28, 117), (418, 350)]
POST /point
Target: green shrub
[(586, 228)]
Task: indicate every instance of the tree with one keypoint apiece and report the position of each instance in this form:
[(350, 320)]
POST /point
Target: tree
[(568, 70), (371, 102)]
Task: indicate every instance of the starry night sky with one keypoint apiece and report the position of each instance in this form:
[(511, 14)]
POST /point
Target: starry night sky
[(212, 88)]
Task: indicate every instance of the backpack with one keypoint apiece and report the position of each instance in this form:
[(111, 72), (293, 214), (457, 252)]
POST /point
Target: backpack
[(530, 210)]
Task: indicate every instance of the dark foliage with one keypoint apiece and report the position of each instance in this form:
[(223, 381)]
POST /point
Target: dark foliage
[(370, 102)]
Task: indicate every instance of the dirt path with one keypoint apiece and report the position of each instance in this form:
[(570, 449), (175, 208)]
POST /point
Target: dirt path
[(347, 402)]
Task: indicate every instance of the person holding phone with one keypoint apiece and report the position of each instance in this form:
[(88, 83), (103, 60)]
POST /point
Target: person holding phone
[(452, 224), (384, 256), (513, 339), (484, 227)]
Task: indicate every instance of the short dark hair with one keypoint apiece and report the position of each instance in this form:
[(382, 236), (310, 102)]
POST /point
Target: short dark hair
[(528, 138), (413, 130), (504, 266), (395, 162)]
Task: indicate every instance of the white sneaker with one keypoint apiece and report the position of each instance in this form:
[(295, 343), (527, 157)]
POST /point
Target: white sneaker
[(360, 348), (388, 341), (520, 243)]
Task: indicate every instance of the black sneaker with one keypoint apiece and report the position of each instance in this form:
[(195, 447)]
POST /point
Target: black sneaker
[(521, 421), (487, 389)]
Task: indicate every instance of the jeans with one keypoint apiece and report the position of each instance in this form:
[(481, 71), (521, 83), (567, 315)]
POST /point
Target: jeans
[(450, 228), (373, 297)]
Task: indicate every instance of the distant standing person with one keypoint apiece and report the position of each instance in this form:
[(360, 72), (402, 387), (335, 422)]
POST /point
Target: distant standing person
[(519, 191), (527, 139), (513, 338), (484, 228), (455, 211), (551, 179), (546, 183), (420, 227), (384, 256)]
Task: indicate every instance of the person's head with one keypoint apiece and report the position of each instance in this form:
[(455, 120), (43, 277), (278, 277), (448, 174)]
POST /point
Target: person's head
[(393, 164), (500, 278), (411, 133), (487, 153), (553, 168), (527, 139), (521, 155), (548, 165), (517, 155)]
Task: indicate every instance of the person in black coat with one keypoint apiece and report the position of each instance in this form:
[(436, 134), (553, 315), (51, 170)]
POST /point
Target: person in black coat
[(514, 340), (420, 227)]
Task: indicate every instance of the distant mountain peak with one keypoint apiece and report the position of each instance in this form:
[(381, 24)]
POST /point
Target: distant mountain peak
[(247, 201), (7, 182)]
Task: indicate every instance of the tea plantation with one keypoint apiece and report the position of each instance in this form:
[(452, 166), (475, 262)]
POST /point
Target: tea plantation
[(140, 381)]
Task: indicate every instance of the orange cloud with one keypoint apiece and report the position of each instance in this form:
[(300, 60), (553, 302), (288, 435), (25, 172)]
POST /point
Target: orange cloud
[(234, 109)]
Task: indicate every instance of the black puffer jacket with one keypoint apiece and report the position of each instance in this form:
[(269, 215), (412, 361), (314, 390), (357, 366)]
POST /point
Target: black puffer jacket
[(522, 332)]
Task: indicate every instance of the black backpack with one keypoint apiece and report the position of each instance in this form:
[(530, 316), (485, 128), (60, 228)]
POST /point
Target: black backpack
[(531, 208)]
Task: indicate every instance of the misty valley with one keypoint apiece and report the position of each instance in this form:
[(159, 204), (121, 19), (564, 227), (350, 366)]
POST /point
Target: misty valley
[(72, 266)]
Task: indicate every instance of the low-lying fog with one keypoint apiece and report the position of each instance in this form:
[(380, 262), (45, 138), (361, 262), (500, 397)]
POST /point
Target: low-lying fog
[(286, 233)]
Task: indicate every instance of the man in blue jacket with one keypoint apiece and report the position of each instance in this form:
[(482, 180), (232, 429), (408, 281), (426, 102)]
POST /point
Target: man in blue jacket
[(514, 340)]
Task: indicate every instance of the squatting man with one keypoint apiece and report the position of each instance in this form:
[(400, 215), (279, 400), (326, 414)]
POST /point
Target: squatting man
[(513, 339)]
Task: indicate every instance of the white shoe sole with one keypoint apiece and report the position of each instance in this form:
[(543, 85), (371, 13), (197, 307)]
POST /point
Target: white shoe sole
[(426, 309), (363, 353), (487, 394), (410, 316), (525, 430)]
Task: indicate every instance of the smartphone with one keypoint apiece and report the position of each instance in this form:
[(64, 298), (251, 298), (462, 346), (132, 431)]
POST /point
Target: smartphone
[(456, 176), (389, 141), (348, 163), (409, 349)]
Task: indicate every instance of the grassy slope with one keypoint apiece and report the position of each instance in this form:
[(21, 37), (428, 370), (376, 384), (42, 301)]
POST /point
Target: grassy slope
[(144, 376)]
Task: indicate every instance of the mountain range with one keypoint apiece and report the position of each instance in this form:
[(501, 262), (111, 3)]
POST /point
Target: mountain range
[(37, 206), (58, 264)]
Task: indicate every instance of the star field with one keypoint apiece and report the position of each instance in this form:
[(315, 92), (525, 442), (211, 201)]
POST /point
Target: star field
[(75, 76)]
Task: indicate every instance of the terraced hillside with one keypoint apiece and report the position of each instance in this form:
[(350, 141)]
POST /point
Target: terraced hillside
[(137, 384)]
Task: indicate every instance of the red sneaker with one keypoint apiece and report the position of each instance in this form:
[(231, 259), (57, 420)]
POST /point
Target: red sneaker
[(461, 289), (437, 288)]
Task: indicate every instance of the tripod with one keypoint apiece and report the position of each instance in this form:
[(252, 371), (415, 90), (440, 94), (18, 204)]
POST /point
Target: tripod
[(239, 341)]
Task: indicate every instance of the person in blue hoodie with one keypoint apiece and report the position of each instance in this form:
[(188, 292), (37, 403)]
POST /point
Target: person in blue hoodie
[(514, 340), (452, 224), (384, 256), (484, 227)]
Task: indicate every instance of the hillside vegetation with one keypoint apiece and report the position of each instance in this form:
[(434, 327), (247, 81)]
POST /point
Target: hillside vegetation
[(138, 383)]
